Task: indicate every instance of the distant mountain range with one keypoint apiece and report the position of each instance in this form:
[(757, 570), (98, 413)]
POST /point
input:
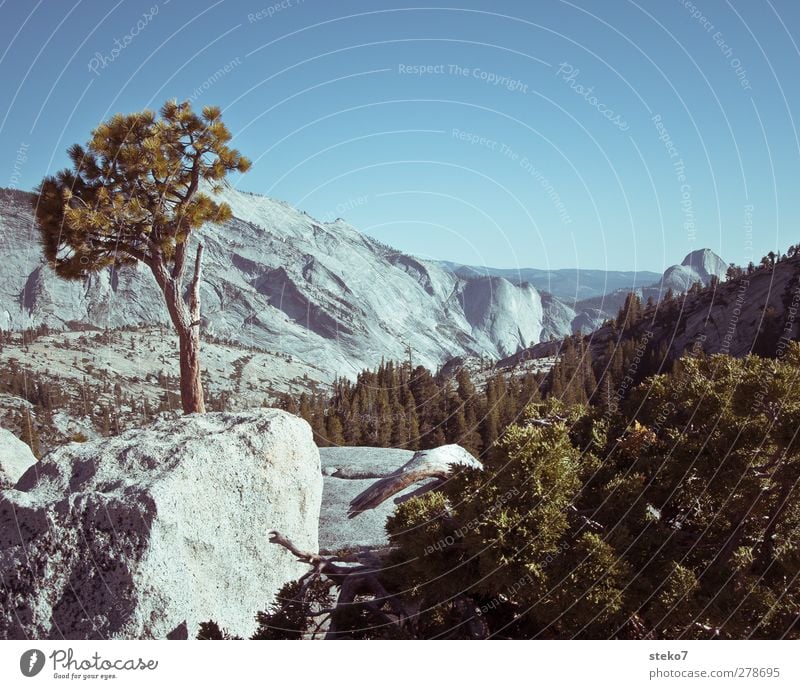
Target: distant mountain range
[(754, 313), (569, 284), (698, 266), (587, 298), (326, 294)]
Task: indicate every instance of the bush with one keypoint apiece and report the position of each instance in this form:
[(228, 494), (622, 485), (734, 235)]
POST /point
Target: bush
[(676, 518)]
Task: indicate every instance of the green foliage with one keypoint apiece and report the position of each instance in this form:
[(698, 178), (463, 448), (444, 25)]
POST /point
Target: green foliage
[(291, 618), (211, 631), (676, 516), (506, 537), (572, 379), (631, 312), (399, 406), (132, 192)]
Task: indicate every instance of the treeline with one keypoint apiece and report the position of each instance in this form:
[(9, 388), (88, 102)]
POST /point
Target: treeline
[(396, 405), (669, 315), (766, 263), (107, 408), (578, 378)]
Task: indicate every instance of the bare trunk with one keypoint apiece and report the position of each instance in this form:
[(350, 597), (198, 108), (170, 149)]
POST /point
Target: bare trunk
[(191, 384), (186, 319)]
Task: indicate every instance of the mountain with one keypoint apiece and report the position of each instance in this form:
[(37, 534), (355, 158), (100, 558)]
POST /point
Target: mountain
[(584, 299), (755, 312), (698, 266), (568, 284), (275, 278), (327, 295)]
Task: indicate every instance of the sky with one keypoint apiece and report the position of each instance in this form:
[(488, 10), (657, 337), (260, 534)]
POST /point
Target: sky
[(614, 135)]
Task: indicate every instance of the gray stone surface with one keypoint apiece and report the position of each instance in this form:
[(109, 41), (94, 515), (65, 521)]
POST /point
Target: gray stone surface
[(350, 471), (362, 462), (15, 458), (365, 531), (157, 530)]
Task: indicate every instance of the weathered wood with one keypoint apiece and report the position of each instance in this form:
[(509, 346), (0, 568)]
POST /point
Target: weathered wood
[(424, 465), (353, 581)]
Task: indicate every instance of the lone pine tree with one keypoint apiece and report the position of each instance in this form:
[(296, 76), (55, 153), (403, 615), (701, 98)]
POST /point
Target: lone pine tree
[(134, 194)]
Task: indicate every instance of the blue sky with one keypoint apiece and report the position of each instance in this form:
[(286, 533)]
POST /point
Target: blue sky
[(590, 134)]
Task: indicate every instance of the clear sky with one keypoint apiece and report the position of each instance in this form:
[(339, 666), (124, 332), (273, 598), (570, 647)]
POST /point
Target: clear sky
[(618, 134)]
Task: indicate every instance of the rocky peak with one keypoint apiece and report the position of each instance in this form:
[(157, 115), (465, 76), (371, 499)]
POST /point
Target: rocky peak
[(705, 263)]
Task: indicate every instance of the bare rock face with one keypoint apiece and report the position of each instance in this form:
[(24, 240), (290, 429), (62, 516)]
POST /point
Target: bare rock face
[(276, 278), (698, 266), (364, 485), (15, 458), (148, 534), (348, 472)]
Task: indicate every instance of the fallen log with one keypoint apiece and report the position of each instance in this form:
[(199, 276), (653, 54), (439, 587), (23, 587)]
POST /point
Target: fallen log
[(424, 465)]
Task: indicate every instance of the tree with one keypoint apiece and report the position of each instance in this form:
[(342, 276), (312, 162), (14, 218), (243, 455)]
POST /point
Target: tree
[(507, 546), (29, 433), (334, 430), (133, 195), (631, 311), (734, 272)]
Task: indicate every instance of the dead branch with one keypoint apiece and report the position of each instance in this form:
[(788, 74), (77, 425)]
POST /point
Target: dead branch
[(194, 295), (423, 465), (353, 581)]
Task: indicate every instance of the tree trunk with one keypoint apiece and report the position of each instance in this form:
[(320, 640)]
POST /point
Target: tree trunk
[(186, 320), (191, 384)]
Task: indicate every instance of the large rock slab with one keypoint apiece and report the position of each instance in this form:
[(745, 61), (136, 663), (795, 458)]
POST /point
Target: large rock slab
[(15, 458), (351, 472), (348, 472), (148, 534), (362, 462)]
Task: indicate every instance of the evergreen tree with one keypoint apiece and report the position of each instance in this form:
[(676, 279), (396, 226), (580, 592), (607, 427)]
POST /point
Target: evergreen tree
[(413, 423), (490, 424), (399, 426), (133, 195), (30, 434), (631, 312), (334, 431)]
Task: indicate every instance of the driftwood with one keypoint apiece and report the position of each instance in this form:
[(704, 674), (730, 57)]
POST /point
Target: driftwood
[(354, 580), (359, 585), (424, 465)]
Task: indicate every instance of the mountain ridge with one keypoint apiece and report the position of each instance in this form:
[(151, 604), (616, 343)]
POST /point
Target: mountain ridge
[(755, 312), (276, 278), (565, 283)]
